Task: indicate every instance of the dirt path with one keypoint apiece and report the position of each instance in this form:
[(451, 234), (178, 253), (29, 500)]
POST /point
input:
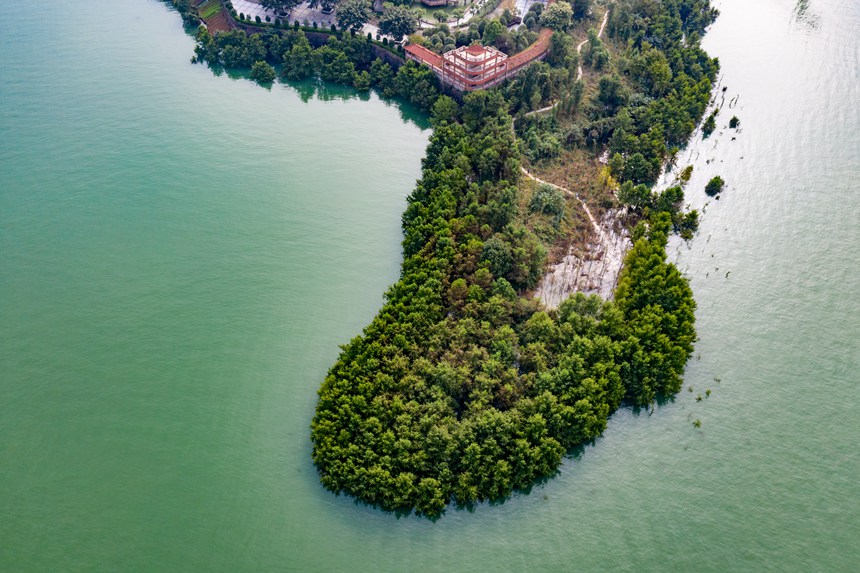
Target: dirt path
[(579, 65), (596, 270), (584, 42), (567, 192)]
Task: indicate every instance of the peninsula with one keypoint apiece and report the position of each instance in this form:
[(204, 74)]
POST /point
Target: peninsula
[(535, 297)]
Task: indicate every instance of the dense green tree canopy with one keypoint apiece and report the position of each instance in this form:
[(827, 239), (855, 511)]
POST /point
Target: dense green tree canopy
[(263, 73), (398, 21), (557, 16), (461, 391), (580, 8), (353, 14)]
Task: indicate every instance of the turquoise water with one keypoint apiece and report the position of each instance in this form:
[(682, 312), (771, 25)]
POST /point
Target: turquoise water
[(181, 255)]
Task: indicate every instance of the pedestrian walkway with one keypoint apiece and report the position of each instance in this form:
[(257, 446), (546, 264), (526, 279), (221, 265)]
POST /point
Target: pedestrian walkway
[(303, 13), (253, 9)]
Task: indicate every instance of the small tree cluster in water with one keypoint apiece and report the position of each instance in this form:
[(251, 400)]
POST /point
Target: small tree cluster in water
[(461, 390)]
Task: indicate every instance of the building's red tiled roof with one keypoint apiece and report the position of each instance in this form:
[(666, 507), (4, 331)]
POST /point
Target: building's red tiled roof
[(477, 49), (425, 55)]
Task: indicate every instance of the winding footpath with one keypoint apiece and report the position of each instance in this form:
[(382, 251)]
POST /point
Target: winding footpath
[(579, 65), (551, 107), (597, 270)]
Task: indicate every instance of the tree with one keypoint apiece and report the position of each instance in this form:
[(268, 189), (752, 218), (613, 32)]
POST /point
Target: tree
[(492, 30), (382, 76), (353, 14), (325, 5), (262, 73), (418, 84), (445, 109), (335, 66), (636, 196), (638, 169), (658, 306), (280, 6), (458, 14), (300, 61), (362, 81), (715, 186), (557, 16), (580, 8), (611, 92), (709, 126), (497, 253), (560, 50), (398, 21), (547, 199)]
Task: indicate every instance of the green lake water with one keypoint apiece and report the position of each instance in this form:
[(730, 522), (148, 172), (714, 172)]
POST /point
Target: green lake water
[(181, 255)]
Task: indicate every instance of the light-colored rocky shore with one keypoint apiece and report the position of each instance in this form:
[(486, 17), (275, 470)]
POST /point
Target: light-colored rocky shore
[(593, 272)]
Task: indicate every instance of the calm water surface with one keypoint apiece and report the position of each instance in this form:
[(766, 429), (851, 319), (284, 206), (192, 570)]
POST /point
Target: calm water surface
[(181, 254)]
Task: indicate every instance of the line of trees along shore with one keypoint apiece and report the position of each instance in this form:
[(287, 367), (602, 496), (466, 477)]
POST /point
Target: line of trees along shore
[(462, 390)]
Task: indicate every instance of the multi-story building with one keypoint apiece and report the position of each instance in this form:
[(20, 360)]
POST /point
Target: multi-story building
[(475, 67)]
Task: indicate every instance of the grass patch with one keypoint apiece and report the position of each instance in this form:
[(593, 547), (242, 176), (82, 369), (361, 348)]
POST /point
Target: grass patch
[(209, 8), (429, 11)]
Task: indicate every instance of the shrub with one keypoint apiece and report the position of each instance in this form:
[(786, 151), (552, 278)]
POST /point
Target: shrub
[(715, 186), (241, 16), (710, 124), (734, 122), (257, 19), (268, 18), (547, 199), (686, 174)]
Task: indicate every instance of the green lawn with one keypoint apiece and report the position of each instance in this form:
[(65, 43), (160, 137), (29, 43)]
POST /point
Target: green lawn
[(209, 8)]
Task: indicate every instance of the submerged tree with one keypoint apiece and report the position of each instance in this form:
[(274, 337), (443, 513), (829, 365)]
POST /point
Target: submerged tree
[(715, 186), (262, 73)]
